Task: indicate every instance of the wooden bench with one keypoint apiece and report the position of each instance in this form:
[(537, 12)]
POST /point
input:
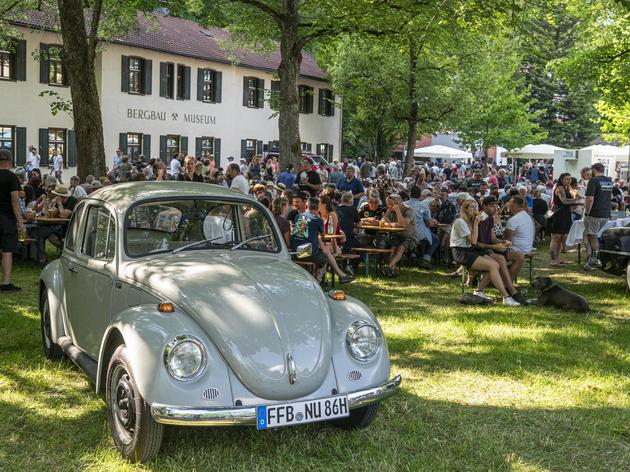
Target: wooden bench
[(367, 251), (528, 257), (23, 247), (308, 266)]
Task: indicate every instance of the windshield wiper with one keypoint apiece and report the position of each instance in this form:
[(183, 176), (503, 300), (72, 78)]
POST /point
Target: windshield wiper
[(196, 243), (254, 238)]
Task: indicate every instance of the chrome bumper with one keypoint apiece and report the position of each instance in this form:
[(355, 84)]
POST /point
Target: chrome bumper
[(246, 416)]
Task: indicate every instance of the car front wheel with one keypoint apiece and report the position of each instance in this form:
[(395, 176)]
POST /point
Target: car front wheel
[(136, 434), (50, 348), (359, 418)]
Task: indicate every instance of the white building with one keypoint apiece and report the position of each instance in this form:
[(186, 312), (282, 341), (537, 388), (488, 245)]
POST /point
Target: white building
[(163, 90)]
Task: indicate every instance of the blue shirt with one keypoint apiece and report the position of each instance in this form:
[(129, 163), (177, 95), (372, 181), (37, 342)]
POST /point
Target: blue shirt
[(335, 177), (306, 228), (422, 212), (354, 186), (287, 178)]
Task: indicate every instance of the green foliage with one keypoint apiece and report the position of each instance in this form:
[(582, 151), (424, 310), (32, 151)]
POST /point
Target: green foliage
[(58, 103), (566, 114)]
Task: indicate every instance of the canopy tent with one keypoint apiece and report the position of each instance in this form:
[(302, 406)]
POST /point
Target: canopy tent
[(586, 157), (534, 151), (443, 152)]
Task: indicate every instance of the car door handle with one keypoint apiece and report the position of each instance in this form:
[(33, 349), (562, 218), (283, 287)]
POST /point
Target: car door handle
[(73, 268)]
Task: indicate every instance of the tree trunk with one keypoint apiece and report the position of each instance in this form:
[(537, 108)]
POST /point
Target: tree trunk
[(79, 56), (412, 119), (289, 71)]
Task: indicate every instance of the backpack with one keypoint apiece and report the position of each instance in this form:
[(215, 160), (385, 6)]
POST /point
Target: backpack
[(447, 213)]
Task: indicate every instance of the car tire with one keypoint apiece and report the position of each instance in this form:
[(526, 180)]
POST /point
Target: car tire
[(359, 418), (50, 348), (136, 434)]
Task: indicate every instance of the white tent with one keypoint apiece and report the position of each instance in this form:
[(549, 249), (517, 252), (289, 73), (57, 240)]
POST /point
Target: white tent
[(443, 152), (586, 157), (534, 151)]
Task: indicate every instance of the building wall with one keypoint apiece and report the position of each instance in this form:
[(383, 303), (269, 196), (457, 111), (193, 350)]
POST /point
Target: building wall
[(229, 120)]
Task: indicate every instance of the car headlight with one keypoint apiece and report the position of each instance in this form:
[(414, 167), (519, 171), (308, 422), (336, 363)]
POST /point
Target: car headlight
[(363, 340), (184, 358)]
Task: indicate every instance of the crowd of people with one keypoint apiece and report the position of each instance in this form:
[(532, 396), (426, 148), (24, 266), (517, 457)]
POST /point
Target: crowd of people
[(479, 216)]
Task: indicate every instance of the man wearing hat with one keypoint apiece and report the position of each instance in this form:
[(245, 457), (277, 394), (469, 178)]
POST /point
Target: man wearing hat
[(243, 166), (10, 218), (61, 206)]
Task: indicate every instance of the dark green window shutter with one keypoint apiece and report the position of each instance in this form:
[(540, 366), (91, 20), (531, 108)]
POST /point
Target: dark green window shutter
[(20, 59), (146, 146), (259, 147), (331, 104), (43, 147), (217, 152), (330, 153), (197, 147), (218, 86), (186, 78), (321, 107), (274, 95), (183, 144), (20, 146), (163, 79), (147, 68), (71, 156), (244, 149), (245, 91), (200, 73), (310, 99), (163, 155), (44, 64), (260, 93), (124, 74), (122, 142), (317, 146)]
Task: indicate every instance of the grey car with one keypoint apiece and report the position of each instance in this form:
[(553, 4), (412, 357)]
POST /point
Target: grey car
[(182, 303)]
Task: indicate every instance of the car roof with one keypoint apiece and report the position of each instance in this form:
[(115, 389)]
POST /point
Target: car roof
[(121, 196)]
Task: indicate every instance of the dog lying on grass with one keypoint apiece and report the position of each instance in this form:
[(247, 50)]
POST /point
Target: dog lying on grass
[(554, 295)]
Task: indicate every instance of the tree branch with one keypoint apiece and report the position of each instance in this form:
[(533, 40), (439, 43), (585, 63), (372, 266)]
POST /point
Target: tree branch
[(10, 7), (276, 15), (94, 25)]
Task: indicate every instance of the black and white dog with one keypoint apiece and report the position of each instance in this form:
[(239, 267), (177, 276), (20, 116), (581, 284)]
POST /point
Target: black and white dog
[(554, 295)]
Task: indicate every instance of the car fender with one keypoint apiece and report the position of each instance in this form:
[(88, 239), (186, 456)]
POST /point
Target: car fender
[(145, 331), (51, 286), (352, 374)]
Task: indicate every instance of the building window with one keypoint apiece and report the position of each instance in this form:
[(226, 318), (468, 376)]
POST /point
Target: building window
[(209, 85), (326, 102), (250, 149), (306, 147), (183, 82), (7, 65), (324, 150), (172, 145), (252, 92), (56, 72), (207, 146), (134, 144), (306, 99), (56, 140), (135, 75), (170, 80), (7, 137)]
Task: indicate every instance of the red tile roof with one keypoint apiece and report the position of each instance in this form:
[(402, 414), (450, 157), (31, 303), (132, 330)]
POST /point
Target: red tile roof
[(185, 38)]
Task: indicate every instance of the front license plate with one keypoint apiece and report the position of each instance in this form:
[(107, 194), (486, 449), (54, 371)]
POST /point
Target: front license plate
[(289, 414)]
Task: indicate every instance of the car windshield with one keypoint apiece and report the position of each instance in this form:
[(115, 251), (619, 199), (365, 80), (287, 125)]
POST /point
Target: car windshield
[(198, 224)]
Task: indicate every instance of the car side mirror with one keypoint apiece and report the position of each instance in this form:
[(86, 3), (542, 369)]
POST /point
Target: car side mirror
[(303, 251)]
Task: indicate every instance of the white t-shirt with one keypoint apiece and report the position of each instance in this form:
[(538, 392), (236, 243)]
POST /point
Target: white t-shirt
[(522, 228), (459, 231), (32, 161), (58, 163), (78, 192), (148, 172), (240, 183), (176, 167)]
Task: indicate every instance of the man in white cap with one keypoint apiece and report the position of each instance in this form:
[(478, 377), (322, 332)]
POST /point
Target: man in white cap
[(243, 166)]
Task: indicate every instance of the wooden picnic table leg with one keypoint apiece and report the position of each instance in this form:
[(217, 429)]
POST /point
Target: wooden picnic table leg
[(367, 264), (579, 248)]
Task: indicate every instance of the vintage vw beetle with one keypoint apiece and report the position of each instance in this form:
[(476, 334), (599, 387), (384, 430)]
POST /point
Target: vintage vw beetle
[(182, 304), (614, 252)]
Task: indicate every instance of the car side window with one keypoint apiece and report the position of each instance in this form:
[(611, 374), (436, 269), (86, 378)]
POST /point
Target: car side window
[(99, 239), (73, 228)]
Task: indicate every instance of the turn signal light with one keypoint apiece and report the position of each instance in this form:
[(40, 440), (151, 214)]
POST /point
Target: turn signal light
[(337, 294), (166, 307)]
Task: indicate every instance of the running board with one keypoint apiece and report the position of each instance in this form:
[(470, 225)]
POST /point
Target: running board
[(80, 358)]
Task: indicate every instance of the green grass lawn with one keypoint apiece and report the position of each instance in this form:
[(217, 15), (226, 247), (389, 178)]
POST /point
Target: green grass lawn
[(520, 389)]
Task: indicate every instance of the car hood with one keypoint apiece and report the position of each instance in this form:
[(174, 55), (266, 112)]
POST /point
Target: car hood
[(258, 309)]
